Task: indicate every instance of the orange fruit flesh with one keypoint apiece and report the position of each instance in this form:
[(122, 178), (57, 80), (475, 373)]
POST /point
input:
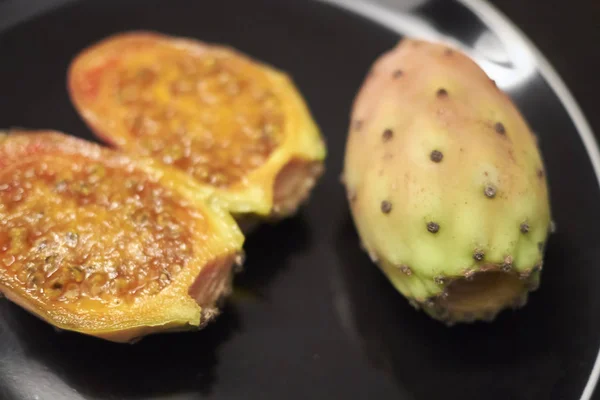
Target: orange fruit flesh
[(209, 112), (82, 234)]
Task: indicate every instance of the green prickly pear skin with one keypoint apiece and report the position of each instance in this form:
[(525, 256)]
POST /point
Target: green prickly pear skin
[(443, 174)]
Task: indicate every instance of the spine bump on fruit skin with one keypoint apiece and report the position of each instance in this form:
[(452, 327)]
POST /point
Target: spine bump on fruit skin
[(387, 135), (436, 156), (405, 270), (478, 255), (433, 227), (453, 196), (386, 207)]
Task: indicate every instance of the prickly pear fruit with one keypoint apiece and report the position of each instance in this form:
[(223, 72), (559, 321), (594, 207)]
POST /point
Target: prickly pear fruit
[(236, 125), (107, 244), (446, 184)]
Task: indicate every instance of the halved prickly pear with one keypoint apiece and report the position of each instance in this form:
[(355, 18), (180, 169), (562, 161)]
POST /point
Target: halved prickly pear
[(446, 184), (105, 244), (231, 122)]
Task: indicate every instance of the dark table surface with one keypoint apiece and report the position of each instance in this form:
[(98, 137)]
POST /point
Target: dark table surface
[(567, 32)]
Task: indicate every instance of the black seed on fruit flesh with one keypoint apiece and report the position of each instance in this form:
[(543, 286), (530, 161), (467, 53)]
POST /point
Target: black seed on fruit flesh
[(499, 127), (448, 52), (387, 135), (524, 227), (490, 191), (478, 255), (397, 74), (442, 92), (386, 207), (433, 227), (436, 156)]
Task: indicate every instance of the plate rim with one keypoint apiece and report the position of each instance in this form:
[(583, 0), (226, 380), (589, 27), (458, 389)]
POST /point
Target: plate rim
[(490, 15)]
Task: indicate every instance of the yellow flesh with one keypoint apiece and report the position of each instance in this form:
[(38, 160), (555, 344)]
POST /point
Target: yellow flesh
[(78, 234), (211, 114), (228, 120)]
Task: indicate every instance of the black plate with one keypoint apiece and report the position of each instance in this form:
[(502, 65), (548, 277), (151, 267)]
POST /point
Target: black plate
[(321, 321)]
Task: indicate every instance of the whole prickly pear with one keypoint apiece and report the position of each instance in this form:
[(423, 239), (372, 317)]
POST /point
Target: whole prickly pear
[(446, 184)]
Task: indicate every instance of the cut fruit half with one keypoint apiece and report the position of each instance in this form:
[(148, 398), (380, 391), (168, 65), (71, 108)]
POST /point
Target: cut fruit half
[(236, 125), (107, 244)]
